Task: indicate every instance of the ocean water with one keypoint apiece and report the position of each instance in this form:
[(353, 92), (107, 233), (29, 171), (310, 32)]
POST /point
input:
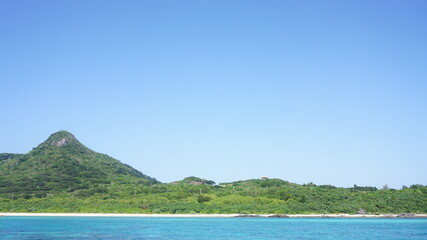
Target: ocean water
[(122, 228)]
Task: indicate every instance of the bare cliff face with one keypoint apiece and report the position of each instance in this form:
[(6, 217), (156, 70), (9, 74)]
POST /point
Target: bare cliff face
[(60, 142)]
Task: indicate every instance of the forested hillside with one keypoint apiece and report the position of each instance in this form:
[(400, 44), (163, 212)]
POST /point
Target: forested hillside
[(61, 164), (62, 175)]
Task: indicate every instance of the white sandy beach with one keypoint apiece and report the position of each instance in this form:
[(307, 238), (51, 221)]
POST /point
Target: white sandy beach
[(200, 215)]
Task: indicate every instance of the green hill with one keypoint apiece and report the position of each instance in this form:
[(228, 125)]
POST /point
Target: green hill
[(62, 175), (195, 181), (63, 164)]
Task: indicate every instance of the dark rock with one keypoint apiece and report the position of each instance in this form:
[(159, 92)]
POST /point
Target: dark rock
[(406, 215), (279, 216)]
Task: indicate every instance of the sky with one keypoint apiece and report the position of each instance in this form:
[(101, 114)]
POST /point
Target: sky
[(329, 92)]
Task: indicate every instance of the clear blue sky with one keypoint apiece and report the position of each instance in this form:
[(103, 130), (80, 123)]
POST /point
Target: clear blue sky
[(330, 92)]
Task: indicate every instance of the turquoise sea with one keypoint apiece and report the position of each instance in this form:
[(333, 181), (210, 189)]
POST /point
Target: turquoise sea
[(123, 228)]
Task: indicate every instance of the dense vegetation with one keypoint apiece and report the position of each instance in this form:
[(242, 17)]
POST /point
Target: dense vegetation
[(62, 175), (63, 164)]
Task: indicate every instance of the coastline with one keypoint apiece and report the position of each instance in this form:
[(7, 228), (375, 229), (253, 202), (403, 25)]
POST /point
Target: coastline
[(210, 215)]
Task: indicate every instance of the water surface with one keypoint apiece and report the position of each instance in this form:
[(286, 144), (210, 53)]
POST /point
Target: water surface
[(124, 228)]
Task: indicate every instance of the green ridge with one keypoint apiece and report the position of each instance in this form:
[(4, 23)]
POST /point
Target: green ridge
[(62, 175)]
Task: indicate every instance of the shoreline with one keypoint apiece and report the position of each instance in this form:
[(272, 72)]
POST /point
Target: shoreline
[(211, 215)]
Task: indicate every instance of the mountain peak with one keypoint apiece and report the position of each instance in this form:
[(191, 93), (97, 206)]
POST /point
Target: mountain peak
[(64, 140), (60, 138)]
